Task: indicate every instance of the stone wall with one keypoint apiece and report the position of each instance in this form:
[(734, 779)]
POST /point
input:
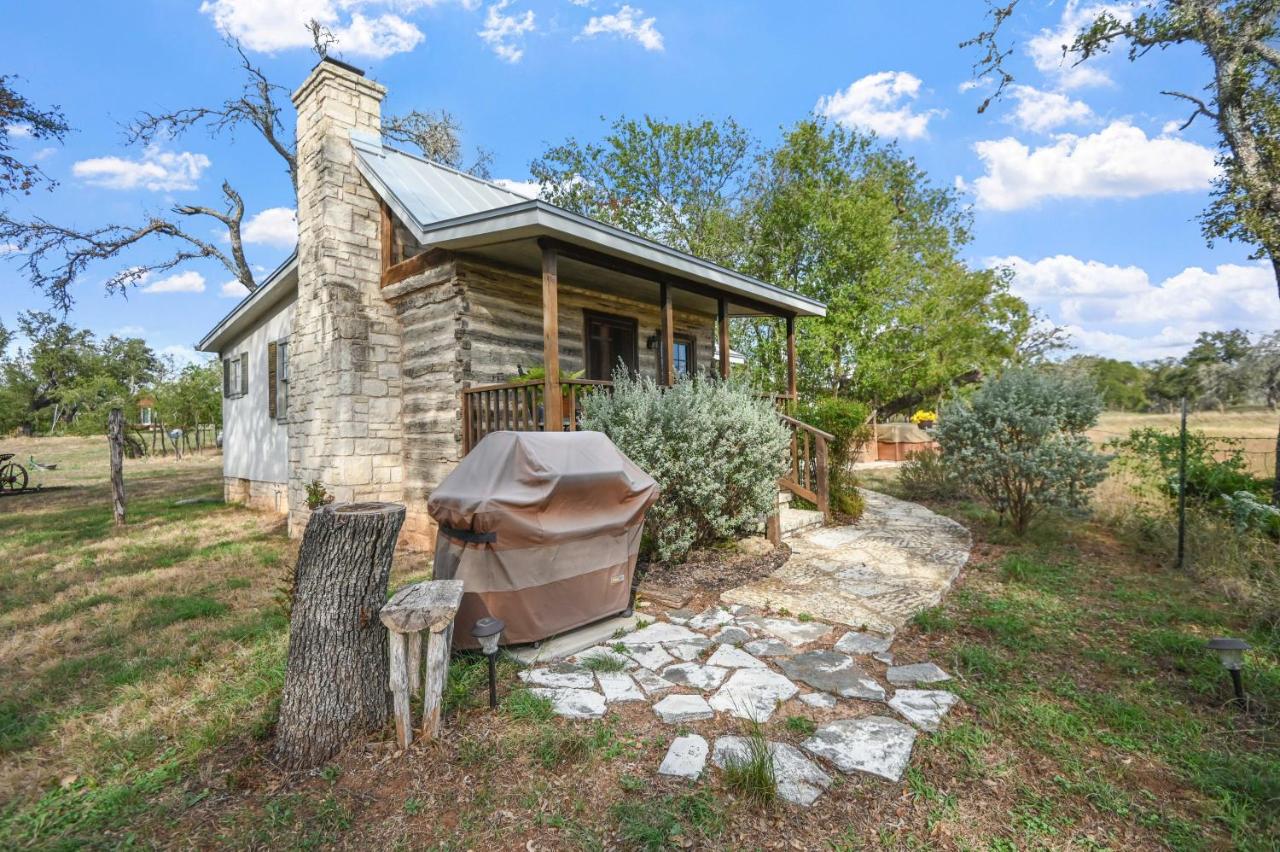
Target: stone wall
[(256, 494), (344, 414)]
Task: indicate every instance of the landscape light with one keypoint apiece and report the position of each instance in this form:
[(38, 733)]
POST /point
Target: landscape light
[(1231, 653), (487, 631)]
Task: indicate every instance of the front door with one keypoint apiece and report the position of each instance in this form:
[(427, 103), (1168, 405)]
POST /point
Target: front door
[(610, 340)]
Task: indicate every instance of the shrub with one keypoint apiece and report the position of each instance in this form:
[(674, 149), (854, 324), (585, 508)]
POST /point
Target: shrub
[(715, 449), (847, 421), (926, 476), (1154, 456), (1019, 443)]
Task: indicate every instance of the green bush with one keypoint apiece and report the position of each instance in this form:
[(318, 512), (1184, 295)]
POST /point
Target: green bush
[(926, 476), (1019, 443), (715, 449), (846, 420), (1154, 456)]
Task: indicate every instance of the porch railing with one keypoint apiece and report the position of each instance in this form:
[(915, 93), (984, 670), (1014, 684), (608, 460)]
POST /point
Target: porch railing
[(807, 474)]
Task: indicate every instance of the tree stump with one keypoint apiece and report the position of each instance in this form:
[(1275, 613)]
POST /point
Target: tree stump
[(428, 607), (115, 438), (335, 685)]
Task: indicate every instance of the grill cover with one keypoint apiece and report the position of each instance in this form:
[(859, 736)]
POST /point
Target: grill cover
[(543, 529)]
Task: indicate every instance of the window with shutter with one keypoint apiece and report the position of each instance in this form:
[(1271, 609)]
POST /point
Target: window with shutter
[(244, 373), (282, 380), (226, 378), (271, 379)]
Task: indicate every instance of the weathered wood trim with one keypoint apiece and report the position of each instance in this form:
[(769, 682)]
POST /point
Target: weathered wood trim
[(722, 319), (551, 339), (414, 265), (791, 356), (387, 233), (666, 363)]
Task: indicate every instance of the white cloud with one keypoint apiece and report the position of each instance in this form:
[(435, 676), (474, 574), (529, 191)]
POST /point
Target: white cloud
[(527, 188), (504, 33), (43, 154), (1046, 47), (182, 355), (1041, 111), (1119, 311), (8, 248), (179, 282), (880, 102), (18, 131), (1119, 161), (275, 226), (281, 24), (157, 170), (233, 289), (627, 22), (129, 331)]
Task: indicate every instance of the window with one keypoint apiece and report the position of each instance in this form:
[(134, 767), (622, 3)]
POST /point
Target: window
[(610, 340), (277, 379), (683, 355), (235, 376), (144, 416)]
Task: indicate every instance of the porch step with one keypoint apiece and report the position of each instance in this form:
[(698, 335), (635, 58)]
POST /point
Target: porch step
[(793, 522)]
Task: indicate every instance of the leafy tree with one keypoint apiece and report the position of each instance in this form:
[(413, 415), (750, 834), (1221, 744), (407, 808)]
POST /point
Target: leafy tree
[(1018, 443), (1239, 39), (1121, 383), (191, 396), (18, 112), (1262, 368), (1168, 381)]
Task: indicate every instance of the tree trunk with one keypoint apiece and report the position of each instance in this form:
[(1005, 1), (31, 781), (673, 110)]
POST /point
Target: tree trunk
[(115, 438), (335, 685), (1275, 484)]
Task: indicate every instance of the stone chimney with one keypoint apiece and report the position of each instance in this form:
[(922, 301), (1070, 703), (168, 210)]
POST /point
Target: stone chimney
[(345, 384)]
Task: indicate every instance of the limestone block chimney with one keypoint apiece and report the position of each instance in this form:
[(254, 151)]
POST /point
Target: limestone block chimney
[(345, 383)]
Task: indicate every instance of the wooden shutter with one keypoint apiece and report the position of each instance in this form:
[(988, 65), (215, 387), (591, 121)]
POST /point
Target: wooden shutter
[(244, 373), (271, 379), (226, 378)]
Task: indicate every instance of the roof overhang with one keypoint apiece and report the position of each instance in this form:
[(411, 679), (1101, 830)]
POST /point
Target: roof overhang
[(280, 285)]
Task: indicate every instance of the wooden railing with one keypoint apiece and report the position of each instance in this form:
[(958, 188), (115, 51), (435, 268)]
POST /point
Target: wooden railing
[(518, 407), (807, 475)]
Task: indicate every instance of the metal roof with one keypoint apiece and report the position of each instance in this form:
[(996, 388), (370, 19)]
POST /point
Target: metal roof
[(429, 191), (279, 284)]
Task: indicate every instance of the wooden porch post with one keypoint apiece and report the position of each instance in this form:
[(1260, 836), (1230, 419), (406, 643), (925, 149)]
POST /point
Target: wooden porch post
[(791, 356), (723, 312), (666, 369), (553, 418)]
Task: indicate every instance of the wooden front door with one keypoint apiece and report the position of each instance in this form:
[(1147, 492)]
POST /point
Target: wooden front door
[(610, 340)]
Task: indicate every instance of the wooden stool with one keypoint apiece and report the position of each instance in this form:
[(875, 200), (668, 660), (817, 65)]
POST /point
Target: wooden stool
[(429, 606)]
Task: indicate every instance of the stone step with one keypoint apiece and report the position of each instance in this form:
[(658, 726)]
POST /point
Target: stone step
[(793, 522)]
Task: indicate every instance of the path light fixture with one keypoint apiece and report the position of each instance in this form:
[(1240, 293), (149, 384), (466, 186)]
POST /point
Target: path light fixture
[(1231, 653), (487, 631)]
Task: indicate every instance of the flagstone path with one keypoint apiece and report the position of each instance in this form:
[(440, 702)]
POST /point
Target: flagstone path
[(738, 661)]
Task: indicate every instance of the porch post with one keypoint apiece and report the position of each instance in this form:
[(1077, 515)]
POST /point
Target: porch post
[(723, 311), (553, 420), (666, 369), (791, 355)]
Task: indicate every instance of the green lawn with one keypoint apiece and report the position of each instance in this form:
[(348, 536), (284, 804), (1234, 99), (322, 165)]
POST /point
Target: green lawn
[(141, 670)]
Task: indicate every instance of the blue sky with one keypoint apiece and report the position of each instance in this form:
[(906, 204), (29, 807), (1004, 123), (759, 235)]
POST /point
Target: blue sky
[(1080, 179)]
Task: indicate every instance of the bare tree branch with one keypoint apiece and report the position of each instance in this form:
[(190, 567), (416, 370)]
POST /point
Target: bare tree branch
[(1201, 108), (256, 106), (18, 112), (991, 63), (321, 36), (438, 137)]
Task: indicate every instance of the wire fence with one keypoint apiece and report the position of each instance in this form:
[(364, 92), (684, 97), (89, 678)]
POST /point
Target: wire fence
[(1258, 450)]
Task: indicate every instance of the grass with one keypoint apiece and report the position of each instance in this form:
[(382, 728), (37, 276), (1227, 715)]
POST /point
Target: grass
[(604, 663), (751, 775)]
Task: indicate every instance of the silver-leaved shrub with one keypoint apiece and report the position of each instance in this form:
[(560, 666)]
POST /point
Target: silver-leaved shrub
[(1019, 445), (715, 449)]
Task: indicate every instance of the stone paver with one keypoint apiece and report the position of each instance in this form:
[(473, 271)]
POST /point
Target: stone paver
[(658, 633), (573, 703), (769, 648), (788, 629), (820, 700), (685, 758), (710, 618), (916, 673), (832, 672), (753, 693), (855, 642), (682, 708), (731, 636), (691, 649), (876, 745), (729, 657), (559, 676), (923, 708), (695, 675), (651, 682), (680, 616), (618, 686), (651, 657), (897, 559), (800, 780)]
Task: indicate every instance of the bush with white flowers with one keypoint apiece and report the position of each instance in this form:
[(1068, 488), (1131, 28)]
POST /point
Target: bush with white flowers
[(715, 449)]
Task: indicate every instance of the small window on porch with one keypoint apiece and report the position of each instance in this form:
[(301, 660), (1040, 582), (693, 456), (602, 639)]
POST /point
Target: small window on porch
[(683, 356), (610, 340)]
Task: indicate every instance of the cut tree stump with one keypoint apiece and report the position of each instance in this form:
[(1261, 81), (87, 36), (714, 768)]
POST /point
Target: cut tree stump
[(430, 608), (335, 685)]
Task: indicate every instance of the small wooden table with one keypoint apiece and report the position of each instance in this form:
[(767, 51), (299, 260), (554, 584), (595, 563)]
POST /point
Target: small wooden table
[(428, 606)]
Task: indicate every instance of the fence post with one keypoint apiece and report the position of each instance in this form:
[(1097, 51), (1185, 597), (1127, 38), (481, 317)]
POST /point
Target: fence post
[(1182, 488), (115, 438)]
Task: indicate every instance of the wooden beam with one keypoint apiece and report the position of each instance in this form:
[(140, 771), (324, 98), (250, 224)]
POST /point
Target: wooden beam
[(387, 232), (666, 360), (791, 357), (553, 418), (635, 270), (413, 266), (723, 320)]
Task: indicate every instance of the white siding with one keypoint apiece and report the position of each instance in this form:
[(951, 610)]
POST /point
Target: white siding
[(255, 446)]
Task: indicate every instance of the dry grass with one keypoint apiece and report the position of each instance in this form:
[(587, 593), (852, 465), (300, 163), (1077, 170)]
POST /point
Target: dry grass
[(1255, 431)]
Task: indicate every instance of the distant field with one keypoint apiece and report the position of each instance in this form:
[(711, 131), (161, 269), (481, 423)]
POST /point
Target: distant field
[(1254, 430)]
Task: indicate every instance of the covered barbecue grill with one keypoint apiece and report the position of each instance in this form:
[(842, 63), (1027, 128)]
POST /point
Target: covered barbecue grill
[(543, 529)]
